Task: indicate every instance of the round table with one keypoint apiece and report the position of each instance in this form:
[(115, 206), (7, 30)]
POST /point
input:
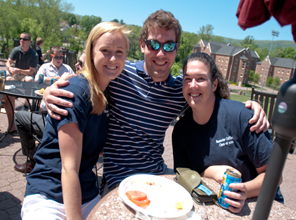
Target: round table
[(111, 207)]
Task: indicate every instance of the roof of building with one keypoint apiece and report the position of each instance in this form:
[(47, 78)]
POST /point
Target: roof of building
[(227, 49), (283, 62), (243, 57), (254, 54)]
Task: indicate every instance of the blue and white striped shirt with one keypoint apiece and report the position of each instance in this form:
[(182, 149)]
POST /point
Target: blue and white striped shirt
[(140, 112)]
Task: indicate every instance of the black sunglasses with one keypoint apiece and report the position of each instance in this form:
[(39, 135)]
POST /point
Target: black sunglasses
[(24, 39), (58, 57), (155, 45)]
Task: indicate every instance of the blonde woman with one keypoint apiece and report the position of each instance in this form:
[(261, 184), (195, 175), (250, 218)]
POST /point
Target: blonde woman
[(62, 184)]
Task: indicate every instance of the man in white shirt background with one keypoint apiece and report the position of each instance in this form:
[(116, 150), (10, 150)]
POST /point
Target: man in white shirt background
[(55, 69)]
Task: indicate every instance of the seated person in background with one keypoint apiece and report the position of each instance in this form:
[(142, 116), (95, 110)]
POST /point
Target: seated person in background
[(55, 69), (215, 133), (39, 43), (23, 124), (80, 62), (26, 60), (23, 127)]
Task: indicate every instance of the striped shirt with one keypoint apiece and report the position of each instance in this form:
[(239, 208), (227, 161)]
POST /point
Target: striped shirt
[(140, 112)]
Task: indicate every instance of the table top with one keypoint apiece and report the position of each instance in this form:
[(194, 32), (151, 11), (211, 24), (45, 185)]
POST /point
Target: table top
[(112, 207), (23, 89)]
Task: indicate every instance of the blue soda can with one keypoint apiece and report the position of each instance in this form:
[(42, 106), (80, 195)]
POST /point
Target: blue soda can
[(52, 81), (230, 176), (41, 78), (3, 73)]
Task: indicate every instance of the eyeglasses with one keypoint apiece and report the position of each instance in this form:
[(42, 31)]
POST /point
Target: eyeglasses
[(58, 57), (24, 39), (155, 45)]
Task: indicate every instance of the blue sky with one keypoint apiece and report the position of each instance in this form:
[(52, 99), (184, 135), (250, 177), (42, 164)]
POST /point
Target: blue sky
[(192, 14)]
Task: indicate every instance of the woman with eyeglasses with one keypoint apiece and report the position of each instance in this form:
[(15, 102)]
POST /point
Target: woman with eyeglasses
[(62, 184), (215, 133), (55, 69)]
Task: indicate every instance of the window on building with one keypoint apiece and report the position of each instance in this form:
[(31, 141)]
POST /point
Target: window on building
[(226, 60), (262, 67), (279, 70), (225, 67), (287, 78), (244, 62), (241, 75), (234, 69), (235, 62), (281, 77), (219, 59), (222, 59), (288, 72), (248, 64)]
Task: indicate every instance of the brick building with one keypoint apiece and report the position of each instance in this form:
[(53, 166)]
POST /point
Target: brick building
[(234, 62), (276, 67)]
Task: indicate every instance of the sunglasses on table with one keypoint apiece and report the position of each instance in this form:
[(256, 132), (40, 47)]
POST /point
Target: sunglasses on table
[(24, 39), (155, 45)]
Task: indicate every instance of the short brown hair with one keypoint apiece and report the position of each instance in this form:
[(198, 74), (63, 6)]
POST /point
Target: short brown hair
[(56, 49), (222, 90), (29, 36), (161, 19), (39, 41)]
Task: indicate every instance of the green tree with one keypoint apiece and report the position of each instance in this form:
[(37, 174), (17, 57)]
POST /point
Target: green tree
[(269, 80), (262, 52), (71, 18), (176, 68), (88, 22), (277, 82), (249, 42), (256, 78), (251, 76), (205, 32)]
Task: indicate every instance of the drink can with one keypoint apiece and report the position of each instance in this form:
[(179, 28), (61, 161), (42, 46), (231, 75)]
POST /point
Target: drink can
[(230, 176), (52, 81), (41, 78), (2, 83), (3, 73)]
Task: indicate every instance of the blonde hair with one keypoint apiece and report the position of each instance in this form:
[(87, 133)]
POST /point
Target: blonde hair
[(98, 98)]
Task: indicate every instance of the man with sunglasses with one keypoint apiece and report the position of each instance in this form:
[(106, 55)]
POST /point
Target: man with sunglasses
[(143, 100), (25, 59), (55, 69)]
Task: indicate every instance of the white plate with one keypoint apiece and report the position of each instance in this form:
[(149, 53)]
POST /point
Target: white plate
[(38, 93), (163, 194)]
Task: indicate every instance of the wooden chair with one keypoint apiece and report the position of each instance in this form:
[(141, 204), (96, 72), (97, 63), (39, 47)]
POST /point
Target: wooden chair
[(268, 102)]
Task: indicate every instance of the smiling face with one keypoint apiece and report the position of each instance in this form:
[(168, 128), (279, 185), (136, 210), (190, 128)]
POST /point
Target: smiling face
[(198, 88), (158, 63), (109, 54)]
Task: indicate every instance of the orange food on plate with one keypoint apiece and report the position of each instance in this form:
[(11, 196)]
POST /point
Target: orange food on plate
[(138, 198)]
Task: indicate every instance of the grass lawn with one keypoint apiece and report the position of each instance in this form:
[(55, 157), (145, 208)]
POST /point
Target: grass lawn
[(239, 98)]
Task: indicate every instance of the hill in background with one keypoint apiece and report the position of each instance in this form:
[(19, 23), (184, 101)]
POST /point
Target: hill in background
[(265, 43)]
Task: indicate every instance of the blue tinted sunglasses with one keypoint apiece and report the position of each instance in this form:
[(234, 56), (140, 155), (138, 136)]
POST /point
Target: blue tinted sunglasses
[(155, 45)]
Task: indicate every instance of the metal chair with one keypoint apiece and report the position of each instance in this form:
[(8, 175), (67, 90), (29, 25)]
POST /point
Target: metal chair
[(268, 102)]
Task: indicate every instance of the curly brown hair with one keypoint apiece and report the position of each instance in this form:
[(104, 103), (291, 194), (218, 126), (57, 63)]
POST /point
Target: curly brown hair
[(161, 19), (222, 90)]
